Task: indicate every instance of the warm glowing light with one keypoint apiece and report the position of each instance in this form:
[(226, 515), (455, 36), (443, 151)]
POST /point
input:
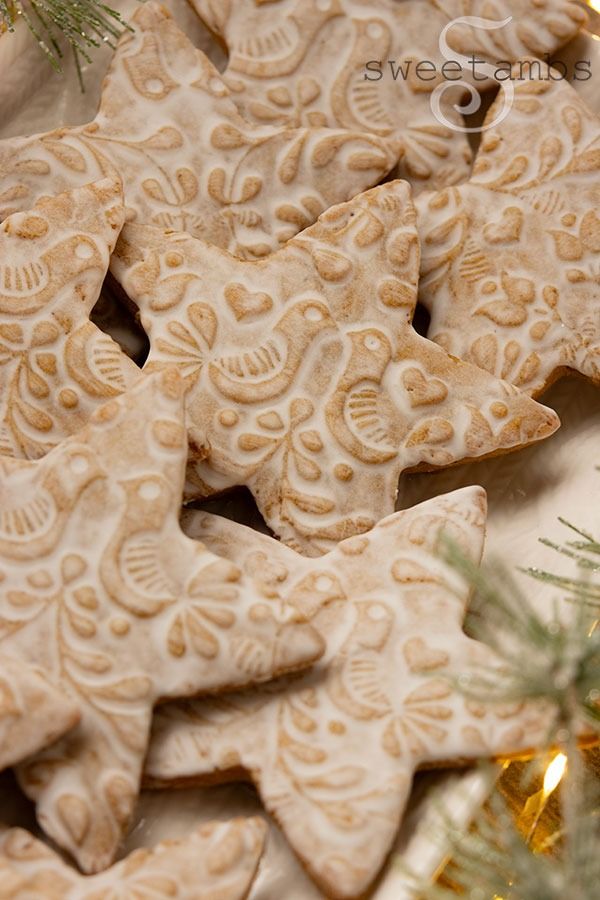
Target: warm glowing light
[(554, 773), (595, 4)]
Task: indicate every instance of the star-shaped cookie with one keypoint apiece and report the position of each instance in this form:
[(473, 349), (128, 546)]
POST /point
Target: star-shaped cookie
[(333, 752), (101, 589), (510, 260), (305, 374), (372, 64), (33, 713), (187, 158), (56, 366), (218, 860)]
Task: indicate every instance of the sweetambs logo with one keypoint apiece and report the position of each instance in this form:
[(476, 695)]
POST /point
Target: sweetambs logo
[(453, 73)]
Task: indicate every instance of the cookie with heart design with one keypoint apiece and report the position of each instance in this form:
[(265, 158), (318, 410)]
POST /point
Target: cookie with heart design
[(33, 713), (218, 860), (188, 159), (56, 366), (510, 259), (333, 751), (374, 65), (101, 590), (305, 374)]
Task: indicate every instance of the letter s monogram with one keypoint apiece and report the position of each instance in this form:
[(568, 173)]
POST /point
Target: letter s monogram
[(474, 101)]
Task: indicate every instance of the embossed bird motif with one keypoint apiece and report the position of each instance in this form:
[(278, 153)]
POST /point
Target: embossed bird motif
[(333, 751), (371, 79), (100, 588), (518, 293), (304, 373), (167, 125), (56, 366)]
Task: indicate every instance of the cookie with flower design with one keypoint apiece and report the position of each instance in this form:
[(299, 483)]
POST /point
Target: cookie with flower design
[(510, 260), (305, 374), (101, 589), (333, 752), (218, 860), (33, 713), (56, 366), (188, 160), (373, 65)]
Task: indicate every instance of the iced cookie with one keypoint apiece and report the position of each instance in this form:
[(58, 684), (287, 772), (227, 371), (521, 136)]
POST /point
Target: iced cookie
[(510, 260), (56, 366), (373, 65), (101, 589), (187, 158), (218, 860), (333, 752), (33, 713), (305, 373)]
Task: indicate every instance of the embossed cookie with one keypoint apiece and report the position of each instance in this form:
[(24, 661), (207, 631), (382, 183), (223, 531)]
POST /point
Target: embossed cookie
[(56, 367), (33, 713), (218, 860), (333, 752), (100, 589), (187, 158), (305, 373), (355, 64), (510, 260)]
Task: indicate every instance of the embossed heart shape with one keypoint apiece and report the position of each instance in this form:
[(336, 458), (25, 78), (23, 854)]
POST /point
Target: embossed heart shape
[(423, 392)]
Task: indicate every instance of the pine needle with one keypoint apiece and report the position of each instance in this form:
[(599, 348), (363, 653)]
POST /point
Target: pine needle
[(84, 25)]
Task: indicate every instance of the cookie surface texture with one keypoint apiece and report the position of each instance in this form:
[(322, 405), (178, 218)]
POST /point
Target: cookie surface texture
[(305, 373)]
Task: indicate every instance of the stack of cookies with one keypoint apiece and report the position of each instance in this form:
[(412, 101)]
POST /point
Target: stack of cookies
[(243, 218)]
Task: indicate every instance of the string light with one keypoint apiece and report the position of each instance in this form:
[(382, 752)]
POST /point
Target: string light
[(554, 773)]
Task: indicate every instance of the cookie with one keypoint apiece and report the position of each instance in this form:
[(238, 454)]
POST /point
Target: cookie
[(305, 373), (188, 160), (355, 64), (509, 264), (56, 366), (218, 860), (333, 752), (33, 713), (102, 591)]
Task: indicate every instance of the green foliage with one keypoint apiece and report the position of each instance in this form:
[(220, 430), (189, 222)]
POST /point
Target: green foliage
[(84, 25)]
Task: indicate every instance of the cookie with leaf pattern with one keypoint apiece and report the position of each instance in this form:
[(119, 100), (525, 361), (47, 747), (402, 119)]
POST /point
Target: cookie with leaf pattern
[(218, 860), (333, 751), (305, 374), (510, 260), (188, 160), (33, 713), (355, 64), (101, 589), (56, 366)]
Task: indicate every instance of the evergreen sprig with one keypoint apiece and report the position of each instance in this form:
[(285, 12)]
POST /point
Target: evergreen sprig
[(84, 25)]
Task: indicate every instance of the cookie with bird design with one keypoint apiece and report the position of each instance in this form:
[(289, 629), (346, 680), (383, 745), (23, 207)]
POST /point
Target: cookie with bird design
[(56, 366), (333, 752), (33, 713), (101, 589), (375, 65), (510, 259), (218, 860), (305, 374), (188, 160)]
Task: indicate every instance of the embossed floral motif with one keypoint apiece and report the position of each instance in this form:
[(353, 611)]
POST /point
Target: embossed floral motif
[(189, 161), (304, 375), (100, 589), (33, 713), (222, 857), (278, 70), (56, 367), (510, 266), (333, 752)]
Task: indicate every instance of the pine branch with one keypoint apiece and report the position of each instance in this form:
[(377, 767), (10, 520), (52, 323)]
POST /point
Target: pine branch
[(82, 24)]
